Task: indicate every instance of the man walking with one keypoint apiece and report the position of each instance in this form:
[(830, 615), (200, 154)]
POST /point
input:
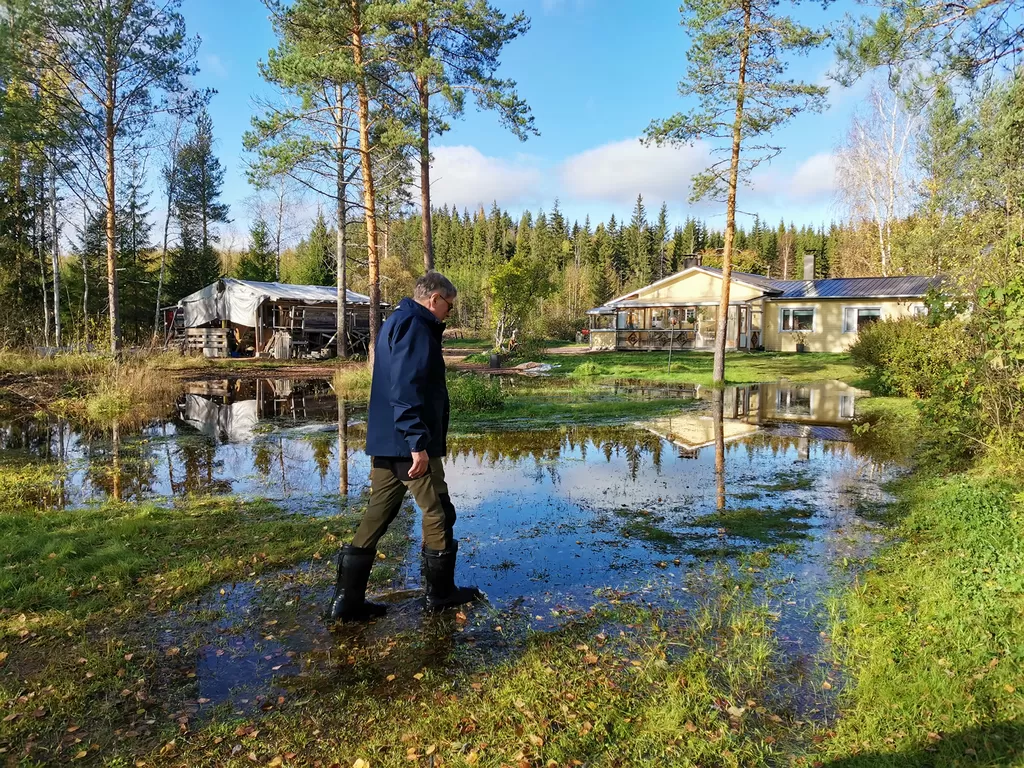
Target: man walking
[(406, 434)]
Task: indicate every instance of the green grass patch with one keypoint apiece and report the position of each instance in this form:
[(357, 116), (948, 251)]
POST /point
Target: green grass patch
[(531, 413), (353, 381), (696, 367), (471, 393), (761, 524), (128, 556), (788, 481), (931, 636)]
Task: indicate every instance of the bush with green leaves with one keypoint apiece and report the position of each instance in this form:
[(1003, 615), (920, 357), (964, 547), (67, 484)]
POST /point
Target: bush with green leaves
[(473, 393), (979, 402), (906, 357)]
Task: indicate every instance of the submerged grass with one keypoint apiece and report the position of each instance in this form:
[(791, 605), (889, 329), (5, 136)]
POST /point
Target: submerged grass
[(931, 637), (761, 524), (622, 685)]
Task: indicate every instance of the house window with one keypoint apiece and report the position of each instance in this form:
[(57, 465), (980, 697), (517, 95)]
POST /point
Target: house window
[(855, 318), (796, 319), (918, 310), (793, 401), (691, 315), (846, 407)]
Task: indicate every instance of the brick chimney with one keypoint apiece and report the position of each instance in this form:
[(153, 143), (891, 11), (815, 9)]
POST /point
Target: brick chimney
[(692, 260), (809, 257)]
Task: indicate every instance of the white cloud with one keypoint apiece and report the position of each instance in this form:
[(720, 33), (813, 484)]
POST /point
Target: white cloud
[(814, 179), (617, 172), (463, 176), (213, 64)]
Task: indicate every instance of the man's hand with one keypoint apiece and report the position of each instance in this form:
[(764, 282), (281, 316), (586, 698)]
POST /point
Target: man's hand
[(420, 461)]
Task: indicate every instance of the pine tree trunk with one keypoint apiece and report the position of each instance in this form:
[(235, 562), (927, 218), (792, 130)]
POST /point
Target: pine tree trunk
[(369, 201), (55, 257), (422, 87), (341, 255), (718, 376)]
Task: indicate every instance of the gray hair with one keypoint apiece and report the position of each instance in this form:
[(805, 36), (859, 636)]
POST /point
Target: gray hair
[(434, 282)]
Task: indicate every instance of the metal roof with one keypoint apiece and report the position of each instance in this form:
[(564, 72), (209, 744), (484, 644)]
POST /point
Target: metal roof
[(758, 281), (913, 286), (856, 287)]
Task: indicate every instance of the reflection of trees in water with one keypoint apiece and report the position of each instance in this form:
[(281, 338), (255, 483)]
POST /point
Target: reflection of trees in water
[(42, 438), (548, 446), (323, 452), (195, 465)]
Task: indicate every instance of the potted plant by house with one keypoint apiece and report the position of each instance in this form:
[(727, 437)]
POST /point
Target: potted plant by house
[(801, 338)]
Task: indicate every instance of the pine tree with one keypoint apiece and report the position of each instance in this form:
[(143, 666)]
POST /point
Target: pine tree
[(738, 58)]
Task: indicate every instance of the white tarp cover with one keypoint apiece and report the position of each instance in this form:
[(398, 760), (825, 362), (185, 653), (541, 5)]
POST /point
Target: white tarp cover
[(234, 423), (237, 301)]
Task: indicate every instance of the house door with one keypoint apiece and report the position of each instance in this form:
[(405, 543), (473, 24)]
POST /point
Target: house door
[(744, 327)]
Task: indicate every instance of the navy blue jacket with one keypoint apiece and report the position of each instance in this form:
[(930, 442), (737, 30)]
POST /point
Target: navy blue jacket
[(408, 395)]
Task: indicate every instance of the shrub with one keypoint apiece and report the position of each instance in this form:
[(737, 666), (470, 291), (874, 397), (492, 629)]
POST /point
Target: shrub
[(472, 393), (587, 368), (906, 358)]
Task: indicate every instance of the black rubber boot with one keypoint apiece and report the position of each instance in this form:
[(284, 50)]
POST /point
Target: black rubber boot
[(439, 572), (349, 601)]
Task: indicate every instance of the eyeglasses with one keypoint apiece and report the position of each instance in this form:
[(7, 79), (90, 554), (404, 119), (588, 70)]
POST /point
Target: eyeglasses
[(442, 298)]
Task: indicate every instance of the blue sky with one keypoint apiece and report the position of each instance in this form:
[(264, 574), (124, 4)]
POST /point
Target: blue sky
[(595, 74)]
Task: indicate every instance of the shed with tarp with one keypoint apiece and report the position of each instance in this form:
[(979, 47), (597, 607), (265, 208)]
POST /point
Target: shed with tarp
[(244, 317)]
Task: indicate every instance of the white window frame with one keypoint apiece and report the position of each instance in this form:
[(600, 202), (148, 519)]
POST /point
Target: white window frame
[(919, 311), (858, 307), (847, 407), (814, 319)]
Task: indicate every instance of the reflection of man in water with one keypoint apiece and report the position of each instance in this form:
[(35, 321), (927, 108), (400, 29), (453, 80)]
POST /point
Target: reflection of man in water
[(406, 433)]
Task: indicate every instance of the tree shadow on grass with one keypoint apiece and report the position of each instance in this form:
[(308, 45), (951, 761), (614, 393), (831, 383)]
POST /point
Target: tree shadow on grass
[(1000, 744)]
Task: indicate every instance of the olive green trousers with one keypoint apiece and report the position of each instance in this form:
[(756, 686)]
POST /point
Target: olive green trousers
[(387, 492)]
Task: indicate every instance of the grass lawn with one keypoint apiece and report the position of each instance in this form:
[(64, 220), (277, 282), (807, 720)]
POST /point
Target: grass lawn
[(931, 637), (696, 367)]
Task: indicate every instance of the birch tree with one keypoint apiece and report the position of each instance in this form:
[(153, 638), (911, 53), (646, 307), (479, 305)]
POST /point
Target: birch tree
[(738, 59), (872, 168)]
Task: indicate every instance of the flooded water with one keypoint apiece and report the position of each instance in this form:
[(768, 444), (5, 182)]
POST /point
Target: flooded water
[(549, 521)]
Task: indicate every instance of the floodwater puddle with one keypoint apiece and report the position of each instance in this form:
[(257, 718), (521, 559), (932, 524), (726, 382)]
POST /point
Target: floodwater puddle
[(763, 478)]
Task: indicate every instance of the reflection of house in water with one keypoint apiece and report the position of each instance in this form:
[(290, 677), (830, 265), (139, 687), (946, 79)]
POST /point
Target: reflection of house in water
[(814, 410), (229, 410)]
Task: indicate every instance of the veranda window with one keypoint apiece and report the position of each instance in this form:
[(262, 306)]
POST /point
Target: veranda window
[(855, 318), (797, 319)]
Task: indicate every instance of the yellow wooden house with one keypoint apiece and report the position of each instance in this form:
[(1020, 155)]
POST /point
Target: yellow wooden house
[(681, 311)]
